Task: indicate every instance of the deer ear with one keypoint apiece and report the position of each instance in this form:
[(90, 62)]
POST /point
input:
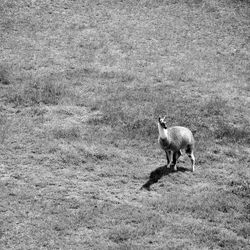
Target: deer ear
[(164, 118)]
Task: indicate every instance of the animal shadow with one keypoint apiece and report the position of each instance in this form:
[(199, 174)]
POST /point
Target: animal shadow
[(158, 173)]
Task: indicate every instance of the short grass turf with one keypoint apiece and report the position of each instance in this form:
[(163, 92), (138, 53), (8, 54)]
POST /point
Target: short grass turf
[(82, 84)]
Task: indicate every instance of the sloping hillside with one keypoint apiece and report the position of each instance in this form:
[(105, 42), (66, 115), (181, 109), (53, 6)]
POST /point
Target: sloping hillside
[(82, 84)]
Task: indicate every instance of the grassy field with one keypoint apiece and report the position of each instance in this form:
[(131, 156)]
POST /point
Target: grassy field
[(82, 84)]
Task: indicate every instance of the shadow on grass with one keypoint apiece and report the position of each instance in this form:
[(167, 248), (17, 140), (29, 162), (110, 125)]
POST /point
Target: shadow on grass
[(158, 173)]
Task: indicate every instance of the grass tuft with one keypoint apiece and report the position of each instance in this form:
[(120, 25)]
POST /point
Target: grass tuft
[(122, 233), (67, 132), (69, 155)]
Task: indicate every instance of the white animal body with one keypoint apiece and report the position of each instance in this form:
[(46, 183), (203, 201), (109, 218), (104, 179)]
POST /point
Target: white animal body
[(174, 140)]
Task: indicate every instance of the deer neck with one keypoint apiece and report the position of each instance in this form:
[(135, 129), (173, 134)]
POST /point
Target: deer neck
[(162, 132)]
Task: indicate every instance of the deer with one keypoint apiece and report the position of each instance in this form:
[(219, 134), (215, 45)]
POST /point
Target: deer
[(174, 140)]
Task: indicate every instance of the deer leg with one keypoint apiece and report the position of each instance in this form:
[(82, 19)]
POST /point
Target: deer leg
[(169, 158), (190, 154), (192, 160), (176, 156)]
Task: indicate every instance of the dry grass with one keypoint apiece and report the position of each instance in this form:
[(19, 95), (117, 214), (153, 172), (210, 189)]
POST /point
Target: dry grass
[(81, 86)]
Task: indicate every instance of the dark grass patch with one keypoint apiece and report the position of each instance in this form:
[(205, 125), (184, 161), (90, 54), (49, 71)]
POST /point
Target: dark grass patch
[(34, 93), (67, 154), (122, 233), (219, 237), (134, 224), (230, 133), (133, 112), (69, 133), (73, 153), (217, 113), (212, 206), (96, 156), (120, 76), (4, 126), (244, 231), (209, 204), (128, 125), (105, 76), (4, 76), (216, 106), (240, 188)]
